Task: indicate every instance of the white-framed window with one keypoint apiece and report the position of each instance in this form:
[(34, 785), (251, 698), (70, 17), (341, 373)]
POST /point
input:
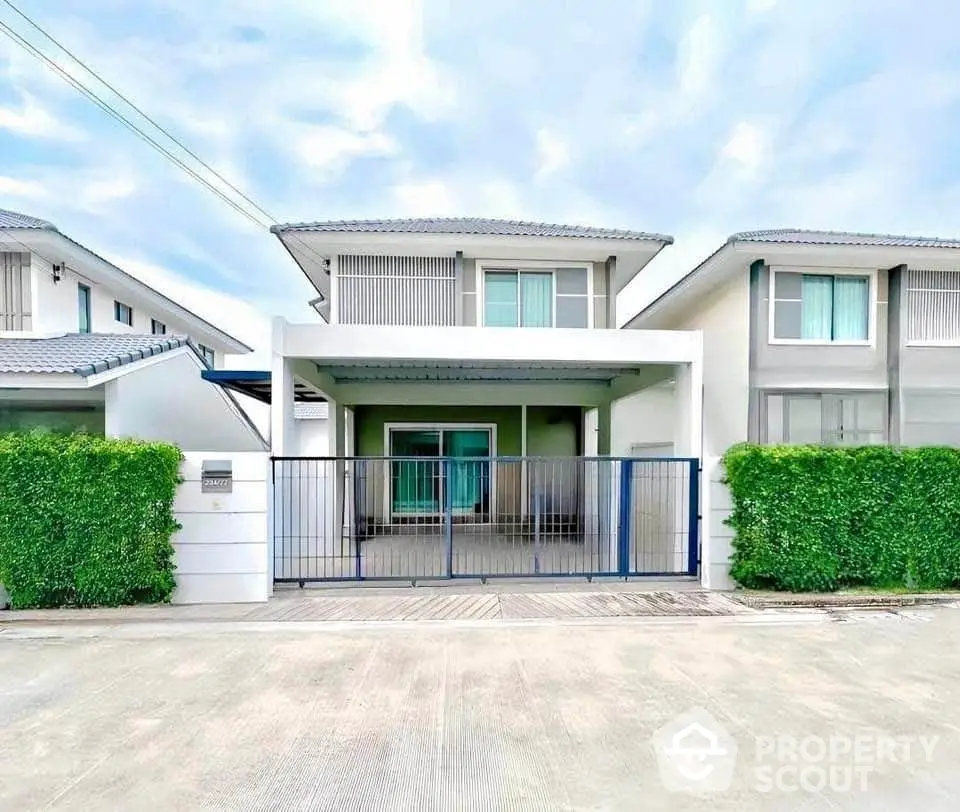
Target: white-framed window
[(536, 294), (123, 313), (822, 307), (83, 308), (207, 354), (158, 328), (932, 305), (824, 418)]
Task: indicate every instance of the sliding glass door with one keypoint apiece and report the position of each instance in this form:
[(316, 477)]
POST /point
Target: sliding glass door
[(418, 487)]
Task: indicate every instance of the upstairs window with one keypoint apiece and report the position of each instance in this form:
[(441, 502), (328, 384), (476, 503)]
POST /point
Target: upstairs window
[(207, 353), (123, 313), (158, 328), (83, 308), (557, 297), (821, 308)]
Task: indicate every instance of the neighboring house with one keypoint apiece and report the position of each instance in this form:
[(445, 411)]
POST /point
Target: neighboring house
[(469, 367), (816, 337), (85, 345)]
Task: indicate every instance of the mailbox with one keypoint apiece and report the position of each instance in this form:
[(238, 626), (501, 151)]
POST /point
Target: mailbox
[(216, 476)]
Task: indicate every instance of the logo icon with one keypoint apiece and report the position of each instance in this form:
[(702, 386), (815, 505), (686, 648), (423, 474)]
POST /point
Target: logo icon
[(695, 753)]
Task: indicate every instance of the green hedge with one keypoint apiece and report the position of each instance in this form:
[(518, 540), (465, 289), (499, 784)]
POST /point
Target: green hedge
[(86, 521), (816, 519)]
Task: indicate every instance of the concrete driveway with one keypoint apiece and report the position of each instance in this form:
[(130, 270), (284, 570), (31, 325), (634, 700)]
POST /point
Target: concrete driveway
[(526, 714)]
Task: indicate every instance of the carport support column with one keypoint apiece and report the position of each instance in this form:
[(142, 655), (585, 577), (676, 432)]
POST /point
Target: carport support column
[(688, 442), (688, 425), (337, 492), (283, 429), (284, 508)]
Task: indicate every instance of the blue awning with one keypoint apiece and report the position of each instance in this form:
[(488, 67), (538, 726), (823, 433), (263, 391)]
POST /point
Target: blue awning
[(255, 383)]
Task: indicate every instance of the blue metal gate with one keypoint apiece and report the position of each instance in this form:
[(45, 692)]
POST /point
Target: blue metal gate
[(423, 518)]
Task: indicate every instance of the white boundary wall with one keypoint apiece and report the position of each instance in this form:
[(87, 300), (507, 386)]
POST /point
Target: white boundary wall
[(222, 552)]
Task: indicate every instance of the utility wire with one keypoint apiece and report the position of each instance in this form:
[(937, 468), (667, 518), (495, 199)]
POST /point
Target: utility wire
[(93, 97), (109, 110), (36, 26)]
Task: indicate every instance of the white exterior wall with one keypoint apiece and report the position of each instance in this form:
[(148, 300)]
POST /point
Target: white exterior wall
[(168, 400), (56, 308), (647, 418), (724, 319), (311, 438), (223, 550)]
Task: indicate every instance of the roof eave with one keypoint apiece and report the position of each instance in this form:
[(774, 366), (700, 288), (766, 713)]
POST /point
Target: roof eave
[(233, 343)]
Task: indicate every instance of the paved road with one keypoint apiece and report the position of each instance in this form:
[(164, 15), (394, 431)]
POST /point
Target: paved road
[(531, 714)]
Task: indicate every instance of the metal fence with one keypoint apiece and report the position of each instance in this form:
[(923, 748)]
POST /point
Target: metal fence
[(417, 518)]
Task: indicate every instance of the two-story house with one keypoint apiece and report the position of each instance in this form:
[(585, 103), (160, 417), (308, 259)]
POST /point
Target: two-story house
[(85, 345), (470, 368), (815, 337)]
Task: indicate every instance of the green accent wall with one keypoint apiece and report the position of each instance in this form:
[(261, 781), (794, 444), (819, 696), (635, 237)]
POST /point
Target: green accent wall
[(370, 420), (551, 430)]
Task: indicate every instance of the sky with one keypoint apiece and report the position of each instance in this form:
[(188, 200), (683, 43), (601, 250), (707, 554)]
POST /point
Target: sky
[(696, 119)]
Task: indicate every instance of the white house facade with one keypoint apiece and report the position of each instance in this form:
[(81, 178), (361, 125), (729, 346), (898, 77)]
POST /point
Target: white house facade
[(479, 407), (86, 346), (817, 337)]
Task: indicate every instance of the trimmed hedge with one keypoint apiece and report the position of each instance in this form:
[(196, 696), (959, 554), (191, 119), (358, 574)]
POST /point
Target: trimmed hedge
[(86, 521), (809, 518)]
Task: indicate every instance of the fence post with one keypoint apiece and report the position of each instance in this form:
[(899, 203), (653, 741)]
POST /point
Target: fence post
[(693, 520), (623, 520), (359, 510), (447, 484)]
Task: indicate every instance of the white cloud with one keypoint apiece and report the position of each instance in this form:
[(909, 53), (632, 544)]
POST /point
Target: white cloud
[(107, 190), (745, 146), (331, 149), (428, 198), (760, 6), (553, 153), (398, 70), (34, 121), (21, 188), (698, 53)]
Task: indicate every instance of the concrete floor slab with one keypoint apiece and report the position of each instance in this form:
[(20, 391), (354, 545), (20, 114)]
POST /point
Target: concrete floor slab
[(558, 714)]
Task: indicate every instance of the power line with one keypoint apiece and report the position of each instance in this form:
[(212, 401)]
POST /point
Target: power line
[(113, 113), (140, 111), (93, 97)]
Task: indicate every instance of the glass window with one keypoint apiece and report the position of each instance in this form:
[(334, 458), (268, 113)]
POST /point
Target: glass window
[(518, 299), (820, 307), (207, 354), (83, 308), (501, 296), (123, 313), (849, 418), (158, 328)]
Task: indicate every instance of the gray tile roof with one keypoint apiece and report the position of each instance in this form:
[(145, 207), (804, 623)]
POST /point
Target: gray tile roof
[(13, 219), (807, 237), (470, 225), (80, 353)]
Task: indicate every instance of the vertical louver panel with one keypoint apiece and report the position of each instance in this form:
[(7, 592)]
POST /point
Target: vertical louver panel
[(14, 291), (413, 291), (933, 307)]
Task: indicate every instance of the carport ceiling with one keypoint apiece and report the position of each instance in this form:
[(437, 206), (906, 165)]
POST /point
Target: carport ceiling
[(376, 372)]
